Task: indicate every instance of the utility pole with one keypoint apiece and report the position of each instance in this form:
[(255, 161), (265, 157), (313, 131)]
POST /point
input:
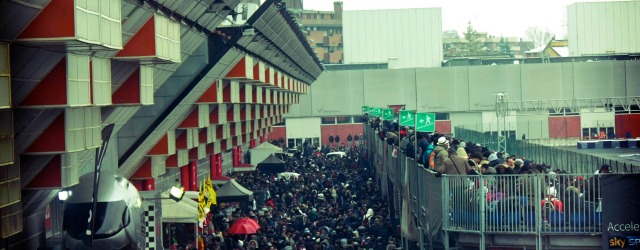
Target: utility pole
[(501, 114)]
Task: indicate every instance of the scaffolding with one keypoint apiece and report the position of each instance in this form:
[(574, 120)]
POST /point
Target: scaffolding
[(501, 114)]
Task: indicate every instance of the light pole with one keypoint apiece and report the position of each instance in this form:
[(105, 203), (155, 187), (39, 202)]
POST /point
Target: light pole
[(501, 114)]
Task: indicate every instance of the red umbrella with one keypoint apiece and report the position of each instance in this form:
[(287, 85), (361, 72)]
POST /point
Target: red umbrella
[(244, 226), (249, 221)]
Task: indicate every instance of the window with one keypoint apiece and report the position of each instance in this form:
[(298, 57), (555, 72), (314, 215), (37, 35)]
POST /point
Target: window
[(442, 116), (343, 119), (329, 120)]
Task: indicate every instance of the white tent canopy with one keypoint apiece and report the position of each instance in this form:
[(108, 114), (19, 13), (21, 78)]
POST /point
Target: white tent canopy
[(185, 211), (262, 151)]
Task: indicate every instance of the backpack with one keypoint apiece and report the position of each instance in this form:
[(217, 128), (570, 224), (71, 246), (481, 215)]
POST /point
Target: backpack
[(432, 160)]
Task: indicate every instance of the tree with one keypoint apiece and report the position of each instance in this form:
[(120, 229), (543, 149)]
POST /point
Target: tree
[(504, 48), (474, 47), (539, 36)]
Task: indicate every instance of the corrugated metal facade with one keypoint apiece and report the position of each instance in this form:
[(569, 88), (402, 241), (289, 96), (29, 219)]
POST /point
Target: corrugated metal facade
[(604, 28), (410, 37)]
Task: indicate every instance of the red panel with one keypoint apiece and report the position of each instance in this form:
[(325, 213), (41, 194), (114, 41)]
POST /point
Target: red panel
[(191, 121), (139, 184), (223, 145), (230, 114), (267, 77), (564, 127), (214, 116), (443, 127), (210, 95), (49, 177), (52, 139), (161, 148), (278, 132), (254, 95), (219, 132), (253, 113), (627, 123), (240, 70), (149, 184), (184, 174), (181, 141), (343, 130), (276, 78), (142, 44), (232, 129), (144, 171), (52, 90), (226, 93), (256, 71), (129, 91), (193, 175), (172, 161), (252, 143), (243, 113), (202, 135), (243, 96), (54, 21), (193, 154)]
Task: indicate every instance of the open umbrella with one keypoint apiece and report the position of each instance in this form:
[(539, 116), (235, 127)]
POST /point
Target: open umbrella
[(244, 226), (249, 221)]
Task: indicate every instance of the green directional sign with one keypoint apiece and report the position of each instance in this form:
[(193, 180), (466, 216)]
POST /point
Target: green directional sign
[(365, 109), (406, 118), (426, 122), (377, 112), (387, 114)]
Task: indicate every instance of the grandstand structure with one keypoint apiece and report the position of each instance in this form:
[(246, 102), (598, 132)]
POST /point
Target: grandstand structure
[(186, 94)]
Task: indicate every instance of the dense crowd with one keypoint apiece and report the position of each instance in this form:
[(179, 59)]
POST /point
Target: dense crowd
[(505, 177), (335, 203)]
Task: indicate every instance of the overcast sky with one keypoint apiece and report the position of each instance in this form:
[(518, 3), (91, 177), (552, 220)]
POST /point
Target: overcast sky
[(509, 18)]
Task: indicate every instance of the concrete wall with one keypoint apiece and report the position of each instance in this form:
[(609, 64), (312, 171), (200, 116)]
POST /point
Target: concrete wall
[(604, 27), (465, 89), (466, 92), (411, 37)]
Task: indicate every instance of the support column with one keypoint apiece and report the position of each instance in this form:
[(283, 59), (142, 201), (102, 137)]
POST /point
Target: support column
[(184, 177), (193, 175), (213, 166)]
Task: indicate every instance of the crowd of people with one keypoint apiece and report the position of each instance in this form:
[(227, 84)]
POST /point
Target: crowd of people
[(503, 176), (334, 203)]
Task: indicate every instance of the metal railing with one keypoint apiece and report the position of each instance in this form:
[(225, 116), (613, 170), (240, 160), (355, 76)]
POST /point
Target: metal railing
[(534, 205), (557, 158)]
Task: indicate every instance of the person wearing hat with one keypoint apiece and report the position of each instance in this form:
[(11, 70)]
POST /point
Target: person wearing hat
[(461, 151), (440, 153)]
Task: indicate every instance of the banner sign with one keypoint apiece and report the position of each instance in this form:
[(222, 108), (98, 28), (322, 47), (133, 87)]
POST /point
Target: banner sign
[(407, 118), (387, 114), (376, 112), (620, 211), (426, 122)]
